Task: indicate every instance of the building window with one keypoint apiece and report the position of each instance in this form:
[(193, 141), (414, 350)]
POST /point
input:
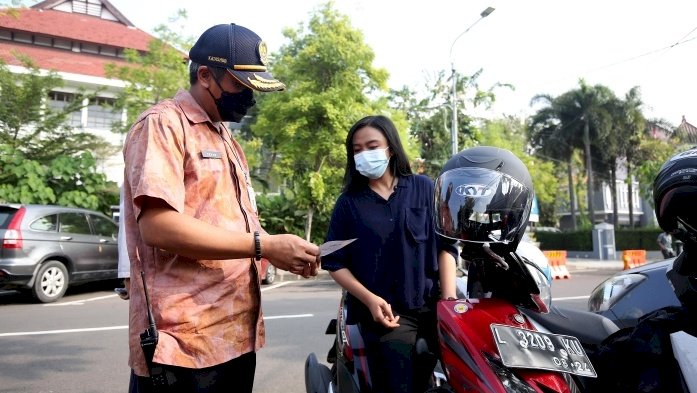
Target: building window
[(42, 40), (23, 37), (90, 48), (5, 34), (88, 7), (62, 44), (57, 100), (107, 50), (101, 113)]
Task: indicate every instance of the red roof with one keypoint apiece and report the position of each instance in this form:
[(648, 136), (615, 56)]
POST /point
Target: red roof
[(76, 26), (58, 59)]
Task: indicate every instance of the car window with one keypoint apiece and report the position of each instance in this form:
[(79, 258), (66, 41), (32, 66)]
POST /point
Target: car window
[(104, 227), (74, 223), (46, 223), (6, 214)]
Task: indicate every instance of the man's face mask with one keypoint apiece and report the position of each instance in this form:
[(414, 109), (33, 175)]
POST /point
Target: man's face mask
[(372, 163), (233, 106)]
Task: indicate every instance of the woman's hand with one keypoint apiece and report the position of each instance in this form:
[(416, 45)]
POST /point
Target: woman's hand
[(382, 312)]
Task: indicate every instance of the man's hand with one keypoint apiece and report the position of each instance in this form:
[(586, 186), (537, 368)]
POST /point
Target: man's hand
[(291, 253)]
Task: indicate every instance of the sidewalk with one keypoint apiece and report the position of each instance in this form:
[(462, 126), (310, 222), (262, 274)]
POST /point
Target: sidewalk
[(595, 264)]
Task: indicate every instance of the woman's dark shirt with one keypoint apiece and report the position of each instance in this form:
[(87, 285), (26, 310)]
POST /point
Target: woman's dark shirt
[(395, 254)]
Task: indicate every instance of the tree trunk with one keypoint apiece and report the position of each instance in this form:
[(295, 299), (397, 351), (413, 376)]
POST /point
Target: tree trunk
[(589, 168), (613, 191), (630, 193), (308, 223), (572, 194)]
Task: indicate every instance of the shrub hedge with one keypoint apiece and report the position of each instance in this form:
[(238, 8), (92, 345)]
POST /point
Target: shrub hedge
[(625, 239)]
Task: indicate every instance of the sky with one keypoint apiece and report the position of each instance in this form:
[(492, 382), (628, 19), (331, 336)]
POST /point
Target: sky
[(538, 46)]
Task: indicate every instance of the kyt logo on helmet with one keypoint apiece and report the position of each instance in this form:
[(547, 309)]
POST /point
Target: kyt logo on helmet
[(473, 190)]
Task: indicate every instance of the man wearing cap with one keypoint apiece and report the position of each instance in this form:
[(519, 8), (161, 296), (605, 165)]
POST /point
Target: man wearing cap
[(192, 228)]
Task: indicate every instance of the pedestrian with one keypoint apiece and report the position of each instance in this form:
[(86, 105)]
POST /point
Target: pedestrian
[(124, 264), (391, 271), (192, 229), (665, 242)]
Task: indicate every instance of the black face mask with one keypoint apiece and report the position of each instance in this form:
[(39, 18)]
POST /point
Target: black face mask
[(233, 106)]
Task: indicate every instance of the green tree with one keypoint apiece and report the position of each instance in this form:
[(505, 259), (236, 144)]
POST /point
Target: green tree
[(154, 75), (580, 114), (510, 133), (43, 159), (31, 126), (330, 78), (632, 124), (430, 115), (650, 155), (552, 140)]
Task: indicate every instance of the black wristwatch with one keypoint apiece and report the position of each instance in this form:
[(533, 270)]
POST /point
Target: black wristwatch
[(257, 246)]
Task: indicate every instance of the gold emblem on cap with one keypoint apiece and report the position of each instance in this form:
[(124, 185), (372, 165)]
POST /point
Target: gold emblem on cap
[(263, 52), (265, 84)]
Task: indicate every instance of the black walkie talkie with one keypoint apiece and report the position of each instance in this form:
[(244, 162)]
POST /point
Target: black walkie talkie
[(148, 342)]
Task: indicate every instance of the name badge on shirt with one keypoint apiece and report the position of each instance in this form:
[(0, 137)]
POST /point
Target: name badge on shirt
[(211, 154), (252, 197)]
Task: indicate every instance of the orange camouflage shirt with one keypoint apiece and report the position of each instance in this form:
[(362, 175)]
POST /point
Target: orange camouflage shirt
[(206, 311)]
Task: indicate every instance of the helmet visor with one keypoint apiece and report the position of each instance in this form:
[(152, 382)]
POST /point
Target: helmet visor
[(481, 205)]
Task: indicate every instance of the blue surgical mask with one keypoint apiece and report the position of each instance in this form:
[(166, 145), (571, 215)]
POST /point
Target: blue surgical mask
[(372, 163)]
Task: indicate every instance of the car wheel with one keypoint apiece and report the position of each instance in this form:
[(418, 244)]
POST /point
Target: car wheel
[(270, 275), (51, 282)]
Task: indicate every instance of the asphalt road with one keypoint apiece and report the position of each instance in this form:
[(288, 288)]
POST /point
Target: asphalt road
[(79, 344)]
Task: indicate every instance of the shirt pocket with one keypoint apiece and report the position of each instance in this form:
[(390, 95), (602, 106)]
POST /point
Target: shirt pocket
[(417, 224)]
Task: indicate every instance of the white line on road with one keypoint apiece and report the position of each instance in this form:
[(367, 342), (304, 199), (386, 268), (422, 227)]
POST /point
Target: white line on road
[(274, 286), (289, 316), (79, 302), (62, 331), (99, 329), (82, 302), (571, 297)]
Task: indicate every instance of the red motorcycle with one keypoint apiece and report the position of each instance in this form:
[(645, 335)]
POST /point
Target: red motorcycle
[(486, 343)]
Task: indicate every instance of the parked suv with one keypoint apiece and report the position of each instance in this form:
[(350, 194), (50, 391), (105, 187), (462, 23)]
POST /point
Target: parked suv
[(46, 248)]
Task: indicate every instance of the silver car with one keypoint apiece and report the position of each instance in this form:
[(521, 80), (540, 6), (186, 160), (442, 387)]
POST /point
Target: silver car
[(45, 248)]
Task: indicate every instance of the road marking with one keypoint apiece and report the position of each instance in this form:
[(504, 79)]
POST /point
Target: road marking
[(274, 286), (79, 302), (289, 316), (571, 297), (100, 329), (44, 332)]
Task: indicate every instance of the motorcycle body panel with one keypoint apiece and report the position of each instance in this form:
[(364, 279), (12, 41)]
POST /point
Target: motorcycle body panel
[(468, 350)]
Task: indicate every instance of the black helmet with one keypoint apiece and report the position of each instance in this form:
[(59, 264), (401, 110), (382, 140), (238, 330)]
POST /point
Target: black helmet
[(483, 195), (674, 193)]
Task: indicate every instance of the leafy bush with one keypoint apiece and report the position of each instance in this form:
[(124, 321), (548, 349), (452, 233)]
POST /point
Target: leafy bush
[(625, 239), (280, 214)]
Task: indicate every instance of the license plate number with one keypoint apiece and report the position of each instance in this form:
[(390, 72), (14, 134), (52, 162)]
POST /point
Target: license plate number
[(523, 348)]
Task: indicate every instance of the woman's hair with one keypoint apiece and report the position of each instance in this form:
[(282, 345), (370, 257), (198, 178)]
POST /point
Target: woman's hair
[(399, 163)]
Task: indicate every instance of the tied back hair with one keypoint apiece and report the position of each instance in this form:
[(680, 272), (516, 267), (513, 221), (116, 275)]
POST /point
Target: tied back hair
[(399, 162)]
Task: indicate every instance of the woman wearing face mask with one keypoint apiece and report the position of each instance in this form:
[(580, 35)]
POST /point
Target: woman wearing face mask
[(391, 271)]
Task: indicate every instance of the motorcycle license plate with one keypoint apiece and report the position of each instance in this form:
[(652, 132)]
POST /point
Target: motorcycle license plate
[(523, 348)]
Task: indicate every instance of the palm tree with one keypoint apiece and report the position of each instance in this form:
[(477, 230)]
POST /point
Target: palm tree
[(585, 112), (550, 139)]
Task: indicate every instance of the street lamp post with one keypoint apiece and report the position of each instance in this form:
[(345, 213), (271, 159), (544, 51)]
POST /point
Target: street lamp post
[(453, 98)]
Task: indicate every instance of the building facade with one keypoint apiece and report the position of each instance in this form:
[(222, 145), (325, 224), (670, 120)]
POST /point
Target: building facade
[(76, 39)]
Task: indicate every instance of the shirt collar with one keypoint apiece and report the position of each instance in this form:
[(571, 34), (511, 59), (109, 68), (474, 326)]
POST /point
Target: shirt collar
[(192, 109)]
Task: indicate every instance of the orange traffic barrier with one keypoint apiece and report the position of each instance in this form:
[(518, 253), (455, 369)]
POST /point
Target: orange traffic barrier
[(633, 258), (557, 263)]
